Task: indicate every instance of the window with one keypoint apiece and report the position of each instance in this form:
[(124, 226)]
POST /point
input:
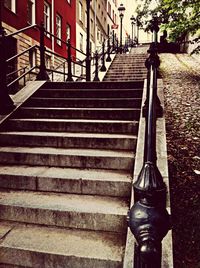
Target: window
[(92, 26), (80, 12), (68, 32), (81, 42), (85, 19), (10, 4), (58, 28), (98, 35), (47, 17), (31, 11)]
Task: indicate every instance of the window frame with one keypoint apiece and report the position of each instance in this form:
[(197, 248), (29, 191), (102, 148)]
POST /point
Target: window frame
[(33, 12), (68, 32), (47, 17), (80, 12), (58, 29), (12, 7)]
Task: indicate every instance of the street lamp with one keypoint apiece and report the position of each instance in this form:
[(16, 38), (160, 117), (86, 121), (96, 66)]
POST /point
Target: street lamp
[(121, 10), (138, 23), (88, 58), (133, 24)]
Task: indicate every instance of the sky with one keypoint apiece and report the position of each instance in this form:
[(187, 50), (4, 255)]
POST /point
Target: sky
[(130, 10)]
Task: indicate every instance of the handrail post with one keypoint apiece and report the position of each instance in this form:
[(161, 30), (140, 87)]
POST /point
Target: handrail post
[(148, 218), (113, 40), (88, 50), (96, 78), (6, 103), (108, 50), (117, 45), (153, 58), (103, 67), (42, 75), (69, 60)]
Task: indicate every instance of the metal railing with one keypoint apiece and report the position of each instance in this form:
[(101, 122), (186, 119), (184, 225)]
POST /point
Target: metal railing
[(148, 217)]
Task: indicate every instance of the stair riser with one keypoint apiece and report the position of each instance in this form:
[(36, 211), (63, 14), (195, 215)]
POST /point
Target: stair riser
[(68, 219), (101, 162), (72, 186), (129, 128), (79, 114), (92, 103), (134, 93), (67, 142), (23, 258)]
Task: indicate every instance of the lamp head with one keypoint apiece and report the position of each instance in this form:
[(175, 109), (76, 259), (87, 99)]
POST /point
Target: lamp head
[(121, 10)]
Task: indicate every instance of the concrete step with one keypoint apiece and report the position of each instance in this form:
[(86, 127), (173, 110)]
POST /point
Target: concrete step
[(89, 212), (41, 247), (79, 113), (73, 125), (127, 75), (95, 86), (57, 157), (89, 93), (84, 102), (66, 180), (127, 70), (69, 140), (134, 78)]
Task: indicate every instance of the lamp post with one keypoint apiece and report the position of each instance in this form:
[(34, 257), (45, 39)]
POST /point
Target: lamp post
[(88, 59), (121, 10), (132, 24), (138, 23)]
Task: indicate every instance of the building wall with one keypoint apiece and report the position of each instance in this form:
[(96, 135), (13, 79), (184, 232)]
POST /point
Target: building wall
[(113, 17), (98, 24), (67, 11)]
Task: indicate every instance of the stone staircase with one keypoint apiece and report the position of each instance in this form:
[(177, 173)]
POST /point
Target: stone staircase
[(127, 67), (66, 162)]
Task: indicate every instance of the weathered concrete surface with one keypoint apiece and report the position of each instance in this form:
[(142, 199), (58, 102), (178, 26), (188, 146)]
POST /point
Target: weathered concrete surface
[(42, 247)]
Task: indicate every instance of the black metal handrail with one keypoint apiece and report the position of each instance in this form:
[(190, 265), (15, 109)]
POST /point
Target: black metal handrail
[(148, 217), (23, 30), (22, 53), (43, 74), (21, 76), (16, 71)]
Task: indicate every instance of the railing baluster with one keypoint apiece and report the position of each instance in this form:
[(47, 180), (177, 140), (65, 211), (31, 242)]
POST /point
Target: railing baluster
[(103, 67), (6, 103), (108, 50), (69, 60), (42, 75), (96, 78)]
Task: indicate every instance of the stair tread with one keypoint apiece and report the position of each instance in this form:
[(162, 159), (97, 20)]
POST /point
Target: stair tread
[(90, 89), (95, 98), (65, 173), (74, 120), (69, 134), (64, 242), (66, 151), (79, 109), (64, 202)]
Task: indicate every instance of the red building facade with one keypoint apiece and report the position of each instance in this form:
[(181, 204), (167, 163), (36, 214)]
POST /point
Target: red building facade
[(59, 17)]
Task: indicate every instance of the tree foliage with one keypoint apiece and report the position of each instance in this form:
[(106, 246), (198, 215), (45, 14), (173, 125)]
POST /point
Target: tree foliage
[(178, 17)]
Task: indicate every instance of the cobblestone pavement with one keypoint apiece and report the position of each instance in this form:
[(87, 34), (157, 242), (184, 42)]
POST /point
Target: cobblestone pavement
[(181, 76)]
